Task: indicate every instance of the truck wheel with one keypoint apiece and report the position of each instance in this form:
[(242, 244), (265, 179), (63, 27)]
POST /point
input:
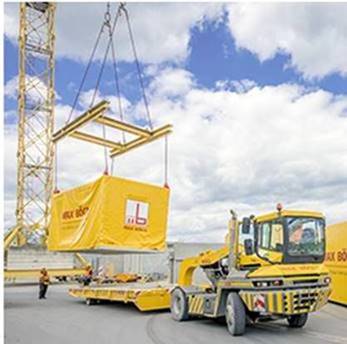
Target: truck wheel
[(90, 302), (179, 305), (235, 315), (297, 320)]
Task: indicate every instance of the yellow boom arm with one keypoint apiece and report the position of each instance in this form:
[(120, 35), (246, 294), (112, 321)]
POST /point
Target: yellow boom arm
[(188, 265)]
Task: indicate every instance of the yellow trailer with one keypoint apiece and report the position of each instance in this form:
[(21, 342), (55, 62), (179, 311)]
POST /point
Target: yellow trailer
[(336, 261), (145, 296)]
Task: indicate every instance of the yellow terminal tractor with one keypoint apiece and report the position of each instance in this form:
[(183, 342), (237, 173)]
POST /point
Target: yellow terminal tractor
[(272, 267)]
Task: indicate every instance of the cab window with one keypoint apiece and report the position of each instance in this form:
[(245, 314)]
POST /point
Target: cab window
[(271, 236), (270, 240), (265, 231), (276, 242)]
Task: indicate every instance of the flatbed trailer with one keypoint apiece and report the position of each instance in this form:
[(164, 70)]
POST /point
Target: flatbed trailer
[(145, 296)]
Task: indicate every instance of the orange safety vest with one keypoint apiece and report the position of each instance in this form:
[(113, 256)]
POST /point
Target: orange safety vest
[(44, 279), (88, 273)]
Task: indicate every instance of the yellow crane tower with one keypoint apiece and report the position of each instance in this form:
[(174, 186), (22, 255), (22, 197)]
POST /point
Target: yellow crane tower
[(36, 99), (36, 117)]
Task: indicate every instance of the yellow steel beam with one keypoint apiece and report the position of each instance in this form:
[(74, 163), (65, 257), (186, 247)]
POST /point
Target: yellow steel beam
[(156, 134), (129, 128), (84, 262), (83, 119), (11, 235), (26, 273), (97, 140)]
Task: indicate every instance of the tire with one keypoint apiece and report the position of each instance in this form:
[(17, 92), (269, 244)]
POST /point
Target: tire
[(297, 320), (179, 305), (235, 315), (90, 302)]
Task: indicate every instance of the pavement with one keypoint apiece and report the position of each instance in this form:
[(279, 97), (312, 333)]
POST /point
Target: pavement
[(63, 319)]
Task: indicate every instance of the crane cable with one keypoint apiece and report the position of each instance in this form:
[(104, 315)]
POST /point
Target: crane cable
[(139, 74), (116, 79), (91, 58), (107, 24), (55, 181), (111, 30), (166, 161)]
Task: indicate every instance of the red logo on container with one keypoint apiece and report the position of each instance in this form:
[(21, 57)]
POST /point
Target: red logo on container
[(136, 214)]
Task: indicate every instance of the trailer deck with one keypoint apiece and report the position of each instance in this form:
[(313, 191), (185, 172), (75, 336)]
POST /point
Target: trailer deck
[(145, 296)]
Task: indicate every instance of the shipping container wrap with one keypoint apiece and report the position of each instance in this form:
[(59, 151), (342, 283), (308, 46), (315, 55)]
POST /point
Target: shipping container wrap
[(111, 214), (336, 261)]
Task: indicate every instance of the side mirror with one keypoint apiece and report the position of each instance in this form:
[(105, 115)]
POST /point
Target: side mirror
[(248, 244), (246, 225)]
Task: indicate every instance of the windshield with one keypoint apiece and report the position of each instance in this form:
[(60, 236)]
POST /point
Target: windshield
[(305, 236)]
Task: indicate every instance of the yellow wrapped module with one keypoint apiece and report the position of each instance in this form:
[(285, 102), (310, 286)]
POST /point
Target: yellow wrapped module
[(110, 214), (336, 261)]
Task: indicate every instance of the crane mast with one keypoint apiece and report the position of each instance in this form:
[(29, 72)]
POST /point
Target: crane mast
[(35, 156)]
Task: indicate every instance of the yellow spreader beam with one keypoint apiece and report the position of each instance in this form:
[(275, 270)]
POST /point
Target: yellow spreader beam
[(96, 114), (90, 115), (153, 135)]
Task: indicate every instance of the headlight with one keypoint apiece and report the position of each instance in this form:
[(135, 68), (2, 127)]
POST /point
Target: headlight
[(272, 283), (327, 280), (277, 282)]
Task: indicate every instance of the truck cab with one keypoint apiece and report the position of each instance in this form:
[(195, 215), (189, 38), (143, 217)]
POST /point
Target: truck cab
[(286, 237)]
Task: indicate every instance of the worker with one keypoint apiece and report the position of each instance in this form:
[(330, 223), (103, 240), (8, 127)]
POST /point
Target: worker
[(296, 235), (43, 283), (88, 275)]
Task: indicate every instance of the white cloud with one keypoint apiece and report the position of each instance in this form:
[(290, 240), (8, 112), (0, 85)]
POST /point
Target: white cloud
[(252, 149), (11, 88), (172, 81), (313, 34), (245, 151), (161, 30)]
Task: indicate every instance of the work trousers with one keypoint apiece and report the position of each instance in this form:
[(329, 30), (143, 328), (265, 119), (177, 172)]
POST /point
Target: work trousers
[(43, 290)]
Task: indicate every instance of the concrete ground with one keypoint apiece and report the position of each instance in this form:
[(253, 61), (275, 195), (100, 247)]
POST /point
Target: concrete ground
[(63, 319)]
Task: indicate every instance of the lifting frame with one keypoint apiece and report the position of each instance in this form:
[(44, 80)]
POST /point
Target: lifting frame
[(96, 115)]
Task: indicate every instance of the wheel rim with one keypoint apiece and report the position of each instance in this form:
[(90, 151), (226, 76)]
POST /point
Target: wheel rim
[(177, 304), (229, 315)]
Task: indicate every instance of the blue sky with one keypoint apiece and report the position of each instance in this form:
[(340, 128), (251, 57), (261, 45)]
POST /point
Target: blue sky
[(259, 115), (213, 56)]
